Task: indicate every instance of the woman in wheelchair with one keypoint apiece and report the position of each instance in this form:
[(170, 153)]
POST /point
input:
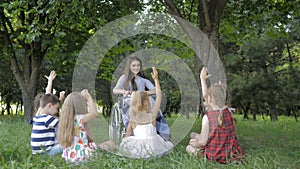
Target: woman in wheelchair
[(145, 142), (133, 79)]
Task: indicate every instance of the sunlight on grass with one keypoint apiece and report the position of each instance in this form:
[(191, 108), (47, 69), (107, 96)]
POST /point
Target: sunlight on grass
[(267, 145)]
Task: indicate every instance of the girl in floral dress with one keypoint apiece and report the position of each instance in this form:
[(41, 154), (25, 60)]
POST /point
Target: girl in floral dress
[(77, 110)]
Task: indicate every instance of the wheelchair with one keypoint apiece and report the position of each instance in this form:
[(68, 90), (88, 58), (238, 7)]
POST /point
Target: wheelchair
[(118, 118), (117, 128)]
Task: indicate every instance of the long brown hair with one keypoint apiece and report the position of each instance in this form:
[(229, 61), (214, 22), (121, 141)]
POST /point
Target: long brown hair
[(129, 76), (74, 104)]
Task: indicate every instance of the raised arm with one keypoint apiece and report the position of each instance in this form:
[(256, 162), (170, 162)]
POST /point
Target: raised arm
[(50, 78), (92, 114), (156, 106), (203, 77)]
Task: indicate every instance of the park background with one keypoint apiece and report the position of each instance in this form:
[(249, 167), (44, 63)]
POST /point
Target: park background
[(257, 41)]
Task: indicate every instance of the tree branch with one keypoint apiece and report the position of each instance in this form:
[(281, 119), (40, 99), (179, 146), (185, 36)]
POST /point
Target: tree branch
[(206, 15), (218, 7), (6, 32), (171, 7), (14, 61)]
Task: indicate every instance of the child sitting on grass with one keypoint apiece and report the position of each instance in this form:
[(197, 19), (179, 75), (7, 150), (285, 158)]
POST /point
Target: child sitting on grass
[(145, 142), (45, 122), (217, 140), (78, 109)]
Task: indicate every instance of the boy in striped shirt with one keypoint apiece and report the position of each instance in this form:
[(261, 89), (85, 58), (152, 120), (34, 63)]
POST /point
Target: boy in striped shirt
[(45, 121), (44, 126)]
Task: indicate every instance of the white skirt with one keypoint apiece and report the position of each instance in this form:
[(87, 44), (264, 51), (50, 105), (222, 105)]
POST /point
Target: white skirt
[(145, 143)]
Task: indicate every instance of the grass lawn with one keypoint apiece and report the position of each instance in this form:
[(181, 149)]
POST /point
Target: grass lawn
[(267, 145)]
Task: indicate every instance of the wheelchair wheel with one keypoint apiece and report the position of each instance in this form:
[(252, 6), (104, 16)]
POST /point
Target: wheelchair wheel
[(115, 127)]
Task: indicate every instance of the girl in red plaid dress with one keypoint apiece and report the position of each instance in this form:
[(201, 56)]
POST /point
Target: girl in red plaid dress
[(217, 140)]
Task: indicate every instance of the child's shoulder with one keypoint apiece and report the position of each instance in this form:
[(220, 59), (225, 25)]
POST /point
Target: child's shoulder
[(42, 115), (43, 118), (218, 110)]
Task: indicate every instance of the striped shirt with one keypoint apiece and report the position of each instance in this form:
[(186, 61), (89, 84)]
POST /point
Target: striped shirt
[(43, 134)]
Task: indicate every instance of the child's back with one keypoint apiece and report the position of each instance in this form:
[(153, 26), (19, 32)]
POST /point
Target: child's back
[(145, 142), (43, 133), (44, 126)]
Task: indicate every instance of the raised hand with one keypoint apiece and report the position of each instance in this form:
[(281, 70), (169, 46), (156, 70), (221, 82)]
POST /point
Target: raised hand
[(52, 76), (154, 73), (204, 75), (62, 95)]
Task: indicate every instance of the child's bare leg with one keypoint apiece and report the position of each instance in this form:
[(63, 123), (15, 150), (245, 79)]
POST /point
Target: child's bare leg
[(195, 140)]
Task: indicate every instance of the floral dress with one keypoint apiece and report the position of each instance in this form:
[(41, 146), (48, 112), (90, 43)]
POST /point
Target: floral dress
[(82, 148)]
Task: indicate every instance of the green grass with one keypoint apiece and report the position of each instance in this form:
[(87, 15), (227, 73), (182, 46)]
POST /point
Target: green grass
[(267, 145)]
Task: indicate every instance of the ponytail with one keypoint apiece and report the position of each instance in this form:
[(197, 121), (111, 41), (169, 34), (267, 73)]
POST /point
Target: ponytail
[(220, 118)]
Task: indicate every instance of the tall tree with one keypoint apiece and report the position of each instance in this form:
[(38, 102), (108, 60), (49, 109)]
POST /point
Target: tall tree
[(206, 13), (256, 33), (27, 28), (33, 28)]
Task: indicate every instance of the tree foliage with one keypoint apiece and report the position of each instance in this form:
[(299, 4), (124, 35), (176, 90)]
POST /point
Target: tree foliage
[(257, 39), (32, 30)]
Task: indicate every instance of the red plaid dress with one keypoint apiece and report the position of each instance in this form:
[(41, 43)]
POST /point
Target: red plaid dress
[(222, 145)]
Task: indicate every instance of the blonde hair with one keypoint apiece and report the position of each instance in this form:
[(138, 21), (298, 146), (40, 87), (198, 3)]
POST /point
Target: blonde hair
[(218, 93), (74, 104), (139, 103)]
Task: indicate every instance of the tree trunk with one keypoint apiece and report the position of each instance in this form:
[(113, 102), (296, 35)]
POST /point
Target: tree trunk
[(28, 106), (244, 109), (209, 16), (254, 116), (256, 109), (273, 111), (17, 107), (270, 96), (295, 114), (8, 107), (27, 80), (26, 60), (209, 13)]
